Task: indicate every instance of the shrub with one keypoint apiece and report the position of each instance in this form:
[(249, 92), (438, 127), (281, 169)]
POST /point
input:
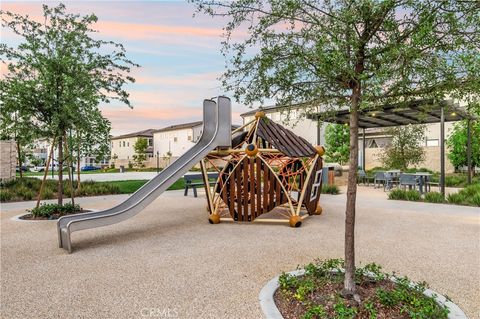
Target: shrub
[(455, 198), (397, 194), (434, 197), (24, 193), (330, 189), (413, 195), (5, 195), (48, 193), (48, 210)]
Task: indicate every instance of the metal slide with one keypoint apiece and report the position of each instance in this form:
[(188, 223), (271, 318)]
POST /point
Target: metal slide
[(216, 133)]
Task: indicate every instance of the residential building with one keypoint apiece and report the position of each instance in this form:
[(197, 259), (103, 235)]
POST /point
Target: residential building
[(174, 140), (122, 147)]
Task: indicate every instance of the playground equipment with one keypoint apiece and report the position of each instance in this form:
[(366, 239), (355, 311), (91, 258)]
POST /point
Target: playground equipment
[(268, 170), (216, 134), (265, 169)]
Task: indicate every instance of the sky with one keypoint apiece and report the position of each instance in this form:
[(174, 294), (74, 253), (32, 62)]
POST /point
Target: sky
[(179, 56)]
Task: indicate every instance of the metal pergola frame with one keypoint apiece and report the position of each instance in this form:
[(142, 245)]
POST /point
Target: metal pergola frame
[(416, 112)]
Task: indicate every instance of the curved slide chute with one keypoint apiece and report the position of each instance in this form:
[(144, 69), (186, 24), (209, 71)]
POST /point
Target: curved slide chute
[(216, 133)]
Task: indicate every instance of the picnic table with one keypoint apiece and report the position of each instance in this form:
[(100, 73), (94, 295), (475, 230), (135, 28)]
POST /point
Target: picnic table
[(192, 180), (423, 180)]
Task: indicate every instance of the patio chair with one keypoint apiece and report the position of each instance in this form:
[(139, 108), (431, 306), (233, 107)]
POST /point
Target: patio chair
[(408, 180), (379, 178), (362, 177), (389, 181)]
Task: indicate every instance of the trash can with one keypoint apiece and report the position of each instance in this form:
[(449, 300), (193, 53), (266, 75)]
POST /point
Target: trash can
[(122, 169)]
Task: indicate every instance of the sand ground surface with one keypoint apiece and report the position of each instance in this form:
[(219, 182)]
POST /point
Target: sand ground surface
[(168, 262)]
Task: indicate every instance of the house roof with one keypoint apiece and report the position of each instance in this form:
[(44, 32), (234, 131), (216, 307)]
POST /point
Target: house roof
[(179, 126), (184, 126), (144, 133)]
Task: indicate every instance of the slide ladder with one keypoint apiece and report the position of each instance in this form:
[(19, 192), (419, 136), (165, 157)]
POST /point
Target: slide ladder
[(216, 133)]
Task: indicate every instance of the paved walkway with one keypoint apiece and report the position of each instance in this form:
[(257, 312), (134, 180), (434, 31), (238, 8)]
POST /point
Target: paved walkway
[(169, 260), (107, 177)]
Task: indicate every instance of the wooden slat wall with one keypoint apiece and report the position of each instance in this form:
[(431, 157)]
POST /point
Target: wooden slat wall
[(251, 191)]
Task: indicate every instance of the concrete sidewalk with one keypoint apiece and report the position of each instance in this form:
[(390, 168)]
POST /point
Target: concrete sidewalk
[(168, 259), (107, 177)]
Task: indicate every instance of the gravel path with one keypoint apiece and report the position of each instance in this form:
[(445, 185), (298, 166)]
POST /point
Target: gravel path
[(168, 262)]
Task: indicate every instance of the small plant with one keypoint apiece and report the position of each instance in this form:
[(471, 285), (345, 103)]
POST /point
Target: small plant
[(5, 195), (413, 195), (305, 287), (49, 210), (397, 194), (330, 189), (456, 198), (317, 311), (434, 197), (343, 311)]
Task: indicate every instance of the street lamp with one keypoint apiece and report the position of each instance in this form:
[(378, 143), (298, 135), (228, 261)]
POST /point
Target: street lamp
[(158, 163)]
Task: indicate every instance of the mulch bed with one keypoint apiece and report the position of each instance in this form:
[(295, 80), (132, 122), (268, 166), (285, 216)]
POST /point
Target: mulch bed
[(53, 217), (291, 308)]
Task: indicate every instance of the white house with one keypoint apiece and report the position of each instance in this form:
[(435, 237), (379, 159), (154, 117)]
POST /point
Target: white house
[(174, 140), (122, 147)]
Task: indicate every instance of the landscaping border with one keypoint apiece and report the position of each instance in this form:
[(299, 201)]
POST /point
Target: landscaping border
[(18, 219), (270, 310)]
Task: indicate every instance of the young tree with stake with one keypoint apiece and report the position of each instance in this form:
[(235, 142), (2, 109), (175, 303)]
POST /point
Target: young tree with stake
[(349, 54)]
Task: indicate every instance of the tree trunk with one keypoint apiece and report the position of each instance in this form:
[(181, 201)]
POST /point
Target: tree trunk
[(60, 170), (78, 162), (19, 154), (45, 173), (70, 171), (349, 283)]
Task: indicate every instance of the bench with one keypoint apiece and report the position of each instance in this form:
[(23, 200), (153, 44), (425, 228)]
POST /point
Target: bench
[(192, 180)]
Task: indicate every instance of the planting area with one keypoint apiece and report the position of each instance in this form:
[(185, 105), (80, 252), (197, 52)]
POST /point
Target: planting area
[(468, 196), (317, 294), (27, 188)]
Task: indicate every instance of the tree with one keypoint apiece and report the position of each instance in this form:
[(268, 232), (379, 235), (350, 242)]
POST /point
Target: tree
[(337, 139), (15, 119), (140, 147), (349, 54), (65, 72), (457, 144), (405, 148)]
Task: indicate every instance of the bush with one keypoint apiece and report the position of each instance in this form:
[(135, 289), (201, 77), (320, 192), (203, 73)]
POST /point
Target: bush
[(48, 194), (48, 210), (469, 195), (413, 195), (330, 189), (397, 194), (434, 197), (5, 195)]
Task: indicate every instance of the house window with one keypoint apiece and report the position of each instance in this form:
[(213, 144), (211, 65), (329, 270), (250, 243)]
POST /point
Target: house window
[(123, 143), (175, 139), (128, 143), (150, 142), (432, 142), (120, 144), (189, 137)]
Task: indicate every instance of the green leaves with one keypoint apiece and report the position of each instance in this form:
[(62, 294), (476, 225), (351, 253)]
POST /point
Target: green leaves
[(337, 140)]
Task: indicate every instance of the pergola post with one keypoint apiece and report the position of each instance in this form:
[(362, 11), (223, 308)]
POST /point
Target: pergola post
[(469, 151), (442, 150), (363, 149)]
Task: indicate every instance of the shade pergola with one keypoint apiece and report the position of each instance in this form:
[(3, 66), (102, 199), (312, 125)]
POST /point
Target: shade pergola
[(417, 112)]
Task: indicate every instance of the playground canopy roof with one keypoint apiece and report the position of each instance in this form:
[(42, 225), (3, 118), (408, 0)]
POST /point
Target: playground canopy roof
[(284, 140), (417, 112)]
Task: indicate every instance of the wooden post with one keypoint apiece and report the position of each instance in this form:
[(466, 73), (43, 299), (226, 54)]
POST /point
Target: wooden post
[(307, 179)]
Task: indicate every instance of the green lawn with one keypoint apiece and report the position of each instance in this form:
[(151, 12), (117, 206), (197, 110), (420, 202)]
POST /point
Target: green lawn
[(128, 187)]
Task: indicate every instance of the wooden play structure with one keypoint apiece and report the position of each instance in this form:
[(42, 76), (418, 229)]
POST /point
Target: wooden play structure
[(269, 174)]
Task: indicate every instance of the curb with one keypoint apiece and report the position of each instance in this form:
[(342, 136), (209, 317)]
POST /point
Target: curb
[(270, 310), (17, 218)]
